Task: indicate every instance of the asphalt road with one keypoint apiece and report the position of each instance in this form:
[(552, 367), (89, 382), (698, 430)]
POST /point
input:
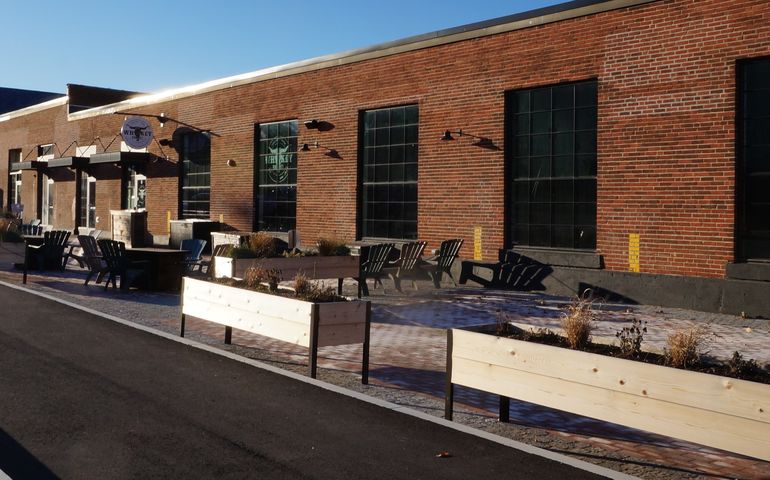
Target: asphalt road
[(84, 397)]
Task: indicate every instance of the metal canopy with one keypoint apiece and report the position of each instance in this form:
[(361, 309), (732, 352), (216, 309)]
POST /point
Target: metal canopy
[(121, 157), (72, 162), (31, 165)]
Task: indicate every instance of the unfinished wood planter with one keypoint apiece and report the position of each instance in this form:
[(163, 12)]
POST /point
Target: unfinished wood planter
[(314, 267), (311, 325), (716, 411)]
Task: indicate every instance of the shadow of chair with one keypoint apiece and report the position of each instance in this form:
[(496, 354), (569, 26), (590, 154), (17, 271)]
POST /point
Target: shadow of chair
[(407, 265), (373, 260), (194, 248), (119, 265), (442, 263), (92, 258)]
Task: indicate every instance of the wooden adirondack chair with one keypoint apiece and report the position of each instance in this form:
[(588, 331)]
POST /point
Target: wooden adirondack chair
[(92, 258), (194, 249), (118, 265), (50, 254), (407, 264), (442, 263), (373, 260)]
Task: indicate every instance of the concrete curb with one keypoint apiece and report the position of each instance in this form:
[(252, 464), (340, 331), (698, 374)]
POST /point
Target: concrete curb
[(557, 457)]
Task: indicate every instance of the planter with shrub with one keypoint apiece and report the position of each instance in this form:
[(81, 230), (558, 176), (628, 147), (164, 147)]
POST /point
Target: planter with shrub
[(308, 315), (544, 368)]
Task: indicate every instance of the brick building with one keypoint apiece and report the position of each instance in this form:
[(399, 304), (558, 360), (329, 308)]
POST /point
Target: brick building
[(626, 143)]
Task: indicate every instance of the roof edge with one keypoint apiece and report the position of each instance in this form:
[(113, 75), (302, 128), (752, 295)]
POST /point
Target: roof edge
[(533, 18), (34, 108)]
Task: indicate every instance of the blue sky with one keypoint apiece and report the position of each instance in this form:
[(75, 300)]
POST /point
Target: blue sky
[(152, 45)]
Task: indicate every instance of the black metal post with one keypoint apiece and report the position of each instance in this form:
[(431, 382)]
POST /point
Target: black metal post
[(26, 261), (449, 388), (181, 331), (228, 335), (313, 355), (365, 360), (505, 409), (339, 286)]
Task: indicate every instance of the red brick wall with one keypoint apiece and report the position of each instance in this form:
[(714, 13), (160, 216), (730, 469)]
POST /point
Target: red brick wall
[(666, 163)]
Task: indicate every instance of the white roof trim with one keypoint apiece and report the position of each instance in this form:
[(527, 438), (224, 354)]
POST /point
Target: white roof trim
[(56, 102)]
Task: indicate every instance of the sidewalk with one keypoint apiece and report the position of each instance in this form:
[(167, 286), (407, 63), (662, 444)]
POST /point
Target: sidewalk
[(408, 358)]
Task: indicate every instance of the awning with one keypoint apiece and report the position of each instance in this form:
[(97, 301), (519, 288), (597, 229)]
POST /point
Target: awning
[(72, 162), (31, 165), (121, 157)]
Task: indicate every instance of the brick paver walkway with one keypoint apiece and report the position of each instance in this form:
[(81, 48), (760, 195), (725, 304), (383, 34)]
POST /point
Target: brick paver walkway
[(408, 352)]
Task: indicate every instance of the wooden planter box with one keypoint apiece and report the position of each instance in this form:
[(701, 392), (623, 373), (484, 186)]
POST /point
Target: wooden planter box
[(311, 325), (716, 411), (314, 267)]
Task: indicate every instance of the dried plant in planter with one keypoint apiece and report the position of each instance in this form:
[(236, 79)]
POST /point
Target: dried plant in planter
[(740, 367), (255, 277), (684, 347), (503, 321), (311, 292), (630, 338), (330, 247), (578, 322), (262, 245)]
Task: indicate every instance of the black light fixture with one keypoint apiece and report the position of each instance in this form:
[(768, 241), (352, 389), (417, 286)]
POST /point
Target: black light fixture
[(312, 124), (448, 135), (165, 142), (482, 142), (306, 146), (162, 119)]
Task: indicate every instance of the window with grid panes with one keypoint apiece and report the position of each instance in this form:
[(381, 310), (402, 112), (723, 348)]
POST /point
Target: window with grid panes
[(552, 165), (389, 173), (277, 176), (195, 175), (14, 178), (754, 159)]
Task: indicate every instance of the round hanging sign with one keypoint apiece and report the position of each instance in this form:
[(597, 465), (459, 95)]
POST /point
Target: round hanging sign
[(136, 132)]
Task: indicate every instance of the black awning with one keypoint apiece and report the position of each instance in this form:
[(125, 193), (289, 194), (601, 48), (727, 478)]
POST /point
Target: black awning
[(31, 165), (121, 157), (72, 162)]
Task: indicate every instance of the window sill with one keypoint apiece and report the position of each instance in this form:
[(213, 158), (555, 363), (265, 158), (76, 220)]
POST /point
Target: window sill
[(561, 258), (758, 271)]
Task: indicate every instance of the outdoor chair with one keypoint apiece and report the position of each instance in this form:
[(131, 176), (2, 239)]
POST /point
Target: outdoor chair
[(207, 266), (194, 249), (92, 258), (29, 229), (373, 260), (442, 263), (407, 264), (119, 265), (50, 254)]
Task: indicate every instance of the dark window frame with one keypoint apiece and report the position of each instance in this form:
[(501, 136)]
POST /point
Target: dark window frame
[(401, 221), (556, 203), (749, 241), (288, 204), (185, 159)]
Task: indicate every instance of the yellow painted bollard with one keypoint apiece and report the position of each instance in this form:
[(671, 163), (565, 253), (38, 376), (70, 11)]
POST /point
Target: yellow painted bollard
[(168, 222), (633, 252), (477, 243), (222, 218)]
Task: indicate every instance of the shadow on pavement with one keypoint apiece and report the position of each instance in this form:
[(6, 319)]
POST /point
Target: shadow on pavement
[(18, 463)]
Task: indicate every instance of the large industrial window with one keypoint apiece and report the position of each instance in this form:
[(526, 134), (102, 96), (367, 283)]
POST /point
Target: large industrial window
[(277, 176), (195, 175), (389, 173), (551, 137), (14, 180), (754, 160)]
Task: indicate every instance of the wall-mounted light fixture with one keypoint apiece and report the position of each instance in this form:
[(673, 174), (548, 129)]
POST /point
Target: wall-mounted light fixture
[(163, 119), (330, 152), (482, 142), (231, 163), (312, 124)]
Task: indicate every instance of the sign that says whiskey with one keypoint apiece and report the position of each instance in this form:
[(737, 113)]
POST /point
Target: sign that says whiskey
[(136, 132)]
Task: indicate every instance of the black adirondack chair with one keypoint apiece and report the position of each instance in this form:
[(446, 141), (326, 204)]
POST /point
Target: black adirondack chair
[(194, 249), (92, 258), (407, 265), (373, 260), (118, 265), (442, 263), (49, 255)]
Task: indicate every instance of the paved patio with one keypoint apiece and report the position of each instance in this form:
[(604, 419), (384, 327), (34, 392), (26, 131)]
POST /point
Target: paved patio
[(408, 356)]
